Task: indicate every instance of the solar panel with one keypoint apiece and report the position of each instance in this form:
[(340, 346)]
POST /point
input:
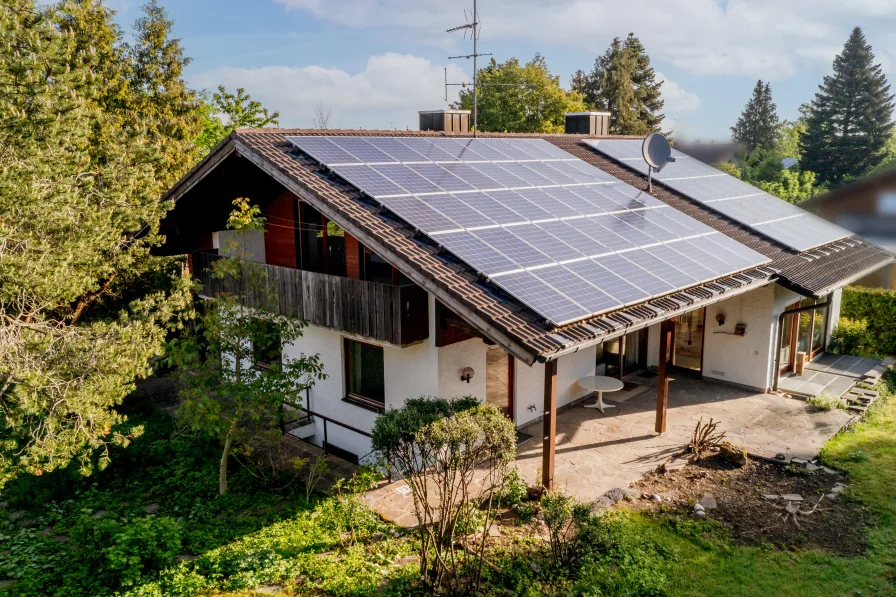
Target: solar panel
[(740, 201), (565, 238)]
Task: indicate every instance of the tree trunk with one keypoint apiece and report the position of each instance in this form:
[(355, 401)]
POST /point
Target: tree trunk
[(222, 471)]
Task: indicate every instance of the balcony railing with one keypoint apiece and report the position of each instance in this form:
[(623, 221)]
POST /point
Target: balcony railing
[(395, 314)]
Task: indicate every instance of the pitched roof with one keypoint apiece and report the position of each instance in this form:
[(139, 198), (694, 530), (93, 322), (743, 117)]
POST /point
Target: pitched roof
[(497, 315)]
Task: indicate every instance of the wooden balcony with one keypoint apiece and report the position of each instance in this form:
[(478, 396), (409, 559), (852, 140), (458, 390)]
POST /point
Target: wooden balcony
[(395, 314)]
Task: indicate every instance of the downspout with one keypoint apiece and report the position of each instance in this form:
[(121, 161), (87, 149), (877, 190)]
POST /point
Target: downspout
[(779, 336)]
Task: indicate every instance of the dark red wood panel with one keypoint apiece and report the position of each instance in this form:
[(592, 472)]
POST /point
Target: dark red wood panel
[(279, 231)]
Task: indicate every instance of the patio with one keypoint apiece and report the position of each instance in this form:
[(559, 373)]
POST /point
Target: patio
[(596, 452)]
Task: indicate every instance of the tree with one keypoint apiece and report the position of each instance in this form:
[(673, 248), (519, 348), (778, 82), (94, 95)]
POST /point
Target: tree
[(521, 98), (322, 113), (234, 378), (623, 83), (850, 119), (758, 124), (225, 112), (455, 457), (84, 307), (159, 94)]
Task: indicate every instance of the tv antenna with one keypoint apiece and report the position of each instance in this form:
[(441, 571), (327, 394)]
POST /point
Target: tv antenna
[(471, 26), (657, 153)]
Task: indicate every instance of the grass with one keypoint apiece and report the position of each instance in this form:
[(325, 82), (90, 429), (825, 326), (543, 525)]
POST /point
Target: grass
[(258, 536)]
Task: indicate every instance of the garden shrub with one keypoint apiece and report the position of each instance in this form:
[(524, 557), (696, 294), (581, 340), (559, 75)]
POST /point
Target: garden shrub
[(438, 446), (564, 516), (877, 307), (827, 401), (850, 337)]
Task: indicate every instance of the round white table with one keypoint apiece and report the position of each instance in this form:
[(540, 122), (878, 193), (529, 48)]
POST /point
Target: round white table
[(600, 384)]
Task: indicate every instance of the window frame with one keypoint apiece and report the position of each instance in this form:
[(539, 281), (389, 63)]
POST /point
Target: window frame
[(355, 398)]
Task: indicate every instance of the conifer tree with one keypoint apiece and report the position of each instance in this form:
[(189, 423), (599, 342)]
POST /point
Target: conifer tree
[(758, 124), (850, 119), (159, 94), (83, 306), (623, 83)]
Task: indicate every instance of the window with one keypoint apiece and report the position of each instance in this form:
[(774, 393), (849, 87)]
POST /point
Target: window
[(364, 373), (267, 347)]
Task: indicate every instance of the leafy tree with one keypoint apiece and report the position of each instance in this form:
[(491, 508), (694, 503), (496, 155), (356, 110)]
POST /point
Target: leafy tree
[(83, 306), (159, 94), (793, 185), (789, 133), (758, 124), (850, 120), (521, 98), (225, 390), (225, 112), (623, 83)]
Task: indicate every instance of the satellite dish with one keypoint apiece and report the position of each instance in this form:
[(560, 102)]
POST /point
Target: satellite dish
[(657, 153)]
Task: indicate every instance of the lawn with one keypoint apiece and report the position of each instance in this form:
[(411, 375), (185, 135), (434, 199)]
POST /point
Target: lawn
[(152, 524)]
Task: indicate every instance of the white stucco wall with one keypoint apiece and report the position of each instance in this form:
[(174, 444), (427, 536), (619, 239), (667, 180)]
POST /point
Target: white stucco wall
[(746, 360), (834, 311), (452, 359), (653, 345), (529, 384)]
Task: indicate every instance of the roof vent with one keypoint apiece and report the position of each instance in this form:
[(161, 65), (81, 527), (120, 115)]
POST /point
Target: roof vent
[(447, 121), (587, 123)]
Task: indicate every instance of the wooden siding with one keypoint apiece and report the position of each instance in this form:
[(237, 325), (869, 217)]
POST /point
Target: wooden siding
[(395, 314), (279, 231), (352, 257)]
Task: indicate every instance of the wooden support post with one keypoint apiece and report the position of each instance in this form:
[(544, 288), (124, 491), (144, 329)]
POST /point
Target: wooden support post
[(667, 330), (550, 424), (621, 357)]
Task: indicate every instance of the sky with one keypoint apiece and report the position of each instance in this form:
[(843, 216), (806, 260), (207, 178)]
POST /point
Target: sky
[(375, 63)]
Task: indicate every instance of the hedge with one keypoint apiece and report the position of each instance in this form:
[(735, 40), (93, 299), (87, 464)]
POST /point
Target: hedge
[(878, 308)]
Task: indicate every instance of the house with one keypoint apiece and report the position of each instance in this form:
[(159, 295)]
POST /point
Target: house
[(867, 207), (509, 266)]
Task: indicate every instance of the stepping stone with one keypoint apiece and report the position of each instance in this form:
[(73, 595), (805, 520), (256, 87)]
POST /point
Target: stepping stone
[(792, 497), (838, 488), (269, 589), (152, 508), (831, 496), (830, 471), (812, 468), (799, 462), (708, 502), (494, 531), (771, 496)]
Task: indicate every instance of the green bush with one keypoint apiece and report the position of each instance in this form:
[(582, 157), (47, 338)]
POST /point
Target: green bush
[(827, 401), (877, 307), (849, 337)]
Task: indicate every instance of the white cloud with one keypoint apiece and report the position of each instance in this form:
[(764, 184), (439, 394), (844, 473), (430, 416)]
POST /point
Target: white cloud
[(676, 99), (391, 89), (772, 39)]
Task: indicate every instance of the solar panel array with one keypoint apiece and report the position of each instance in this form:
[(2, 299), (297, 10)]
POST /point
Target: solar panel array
[(780, 221), (565, 238)]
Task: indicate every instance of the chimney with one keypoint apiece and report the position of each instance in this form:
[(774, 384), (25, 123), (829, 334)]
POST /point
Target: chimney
[(448, 121), (587, 123)]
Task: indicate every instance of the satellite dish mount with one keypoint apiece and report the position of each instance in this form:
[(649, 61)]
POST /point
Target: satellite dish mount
[(657, 153)]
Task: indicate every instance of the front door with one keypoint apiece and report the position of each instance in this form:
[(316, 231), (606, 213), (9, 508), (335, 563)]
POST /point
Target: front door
[(688, 347), (499, 379)]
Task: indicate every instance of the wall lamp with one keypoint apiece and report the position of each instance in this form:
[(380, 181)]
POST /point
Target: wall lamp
[(467, 374)]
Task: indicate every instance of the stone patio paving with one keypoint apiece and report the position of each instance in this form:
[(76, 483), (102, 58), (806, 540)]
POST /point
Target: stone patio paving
[(596, 452), (829, 372)]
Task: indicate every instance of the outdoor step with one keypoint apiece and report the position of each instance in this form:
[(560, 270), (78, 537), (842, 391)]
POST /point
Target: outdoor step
[(857, 408), (303, 431), (863, 392)]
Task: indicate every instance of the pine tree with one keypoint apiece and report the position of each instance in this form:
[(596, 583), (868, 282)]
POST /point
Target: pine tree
[(623, 83), (850, 119), (159, 94), (758, 124), (648, 101), (79, 318)]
